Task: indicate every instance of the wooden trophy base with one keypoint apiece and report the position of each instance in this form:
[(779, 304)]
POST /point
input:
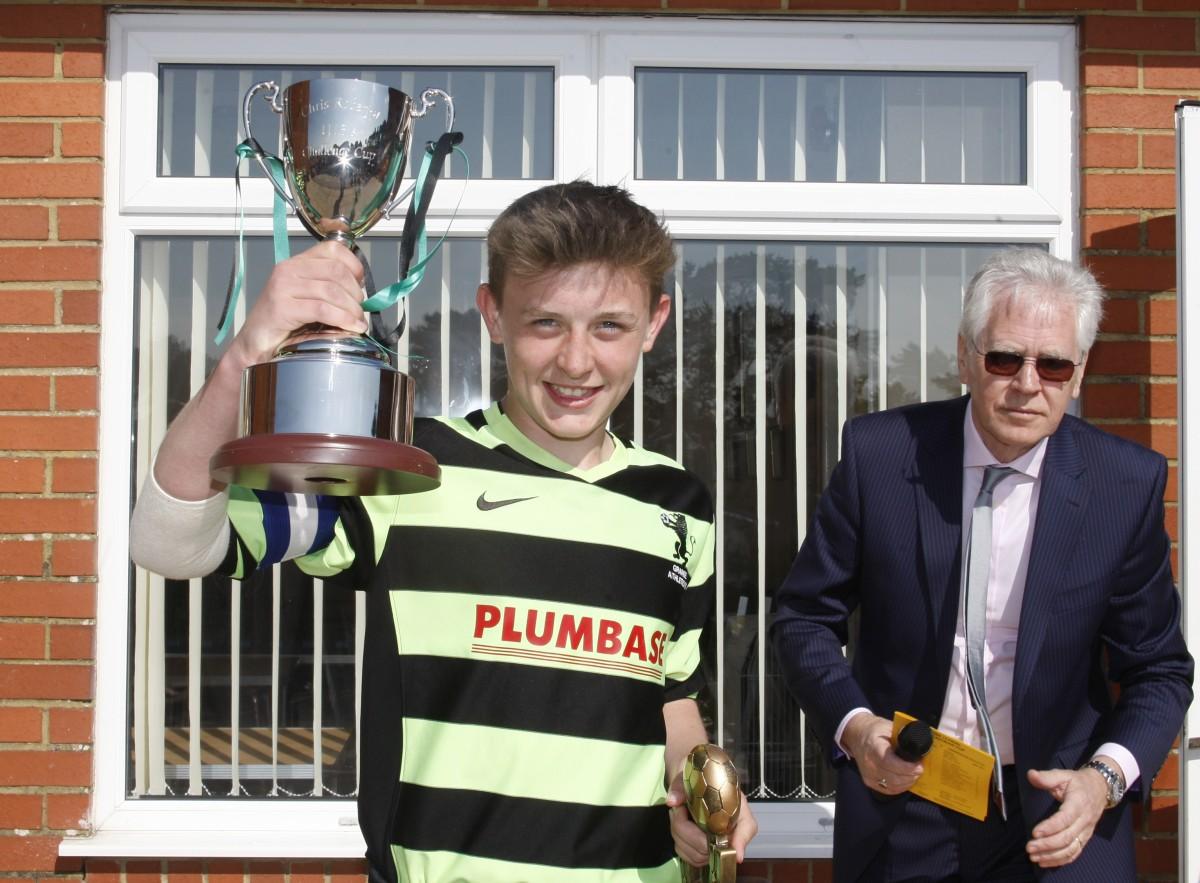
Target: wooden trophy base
[(333, 465)]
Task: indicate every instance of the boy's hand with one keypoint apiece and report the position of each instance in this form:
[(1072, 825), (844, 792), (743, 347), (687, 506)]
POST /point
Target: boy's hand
[(691, 842), (322, 284)]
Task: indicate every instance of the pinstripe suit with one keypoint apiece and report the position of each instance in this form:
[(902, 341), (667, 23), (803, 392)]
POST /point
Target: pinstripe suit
[(886, 540)]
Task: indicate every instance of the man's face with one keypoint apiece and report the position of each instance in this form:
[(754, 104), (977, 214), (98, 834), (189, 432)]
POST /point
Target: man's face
[(1014, 413), (572, 339)]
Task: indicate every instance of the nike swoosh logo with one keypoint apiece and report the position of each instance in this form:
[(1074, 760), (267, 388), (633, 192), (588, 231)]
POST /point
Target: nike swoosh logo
[(486, 505)]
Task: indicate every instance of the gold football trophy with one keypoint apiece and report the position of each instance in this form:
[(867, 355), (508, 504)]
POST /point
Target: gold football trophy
[(710, 782)]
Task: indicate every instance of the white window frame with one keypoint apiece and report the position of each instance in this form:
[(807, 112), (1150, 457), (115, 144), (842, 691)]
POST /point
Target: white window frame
[(594, 59)]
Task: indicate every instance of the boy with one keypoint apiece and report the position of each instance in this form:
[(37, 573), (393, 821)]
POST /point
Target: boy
[(533, 624)]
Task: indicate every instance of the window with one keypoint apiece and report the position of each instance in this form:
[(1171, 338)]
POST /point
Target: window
[(831, 187)]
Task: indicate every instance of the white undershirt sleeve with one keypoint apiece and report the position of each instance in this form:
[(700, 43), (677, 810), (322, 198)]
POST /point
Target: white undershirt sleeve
[(179, 539)]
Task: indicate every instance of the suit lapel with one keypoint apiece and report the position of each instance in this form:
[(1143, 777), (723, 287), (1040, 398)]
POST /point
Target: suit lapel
[(1056, 529), (937, 485)]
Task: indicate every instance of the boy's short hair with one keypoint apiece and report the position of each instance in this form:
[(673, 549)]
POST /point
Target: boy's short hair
[(563, 225)]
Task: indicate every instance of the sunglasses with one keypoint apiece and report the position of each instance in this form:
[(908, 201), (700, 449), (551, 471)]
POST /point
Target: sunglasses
[(1048, 367)]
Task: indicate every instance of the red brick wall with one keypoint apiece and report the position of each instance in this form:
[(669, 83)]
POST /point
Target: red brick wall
[(1137, 58)]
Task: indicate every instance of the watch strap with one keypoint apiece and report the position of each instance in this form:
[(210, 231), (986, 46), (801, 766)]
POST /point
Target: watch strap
[(1116, 790)]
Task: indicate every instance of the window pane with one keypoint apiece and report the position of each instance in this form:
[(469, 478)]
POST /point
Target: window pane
[(772, 347), (235, 682), (860, 127), (506, 116)]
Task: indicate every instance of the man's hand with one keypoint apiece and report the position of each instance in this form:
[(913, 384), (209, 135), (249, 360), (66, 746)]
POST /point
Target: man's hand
[(691, 843), (1082, 795), (868, 739), (322, 284)]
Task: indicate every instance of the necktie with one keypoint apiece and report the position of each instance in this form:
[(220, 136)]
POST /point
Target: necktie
[(979, 550)]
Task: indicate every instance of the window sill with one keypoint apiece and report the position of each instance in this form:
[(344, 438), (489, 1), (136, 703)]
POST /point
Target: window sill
[(260, 829)]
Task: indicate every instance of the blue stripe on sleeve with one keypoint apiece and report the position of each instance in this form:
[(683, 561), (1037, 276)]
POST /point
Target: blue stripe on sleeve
[(327, 515), (277, 525)]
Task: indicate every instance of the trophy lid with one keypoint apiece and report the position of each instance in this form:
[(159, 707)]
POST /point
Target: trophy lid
[(337, 346)]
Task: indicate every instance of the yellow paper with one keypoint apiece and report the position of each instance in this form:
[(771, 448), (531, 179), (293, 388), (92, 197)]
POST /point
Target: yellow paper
[(957, 776)]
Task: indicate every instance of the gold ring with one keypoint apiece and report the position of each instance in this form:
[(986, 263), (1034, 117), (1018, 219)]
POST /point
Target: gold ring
[(883, 783), (1079, 843)]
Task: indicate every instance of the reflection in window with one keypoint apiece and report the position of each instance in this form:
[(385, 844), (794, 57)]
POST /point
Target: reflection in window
[(772, 347), (506, 116), (862, 127)]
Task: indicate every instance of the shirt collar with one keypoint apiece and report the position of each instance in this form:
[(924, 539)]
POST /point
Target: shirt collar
[(976, 453)]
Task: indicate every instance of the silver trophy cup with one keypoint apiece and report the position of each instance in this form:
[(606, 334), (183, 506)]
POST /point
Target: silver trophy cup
[(330, 414)]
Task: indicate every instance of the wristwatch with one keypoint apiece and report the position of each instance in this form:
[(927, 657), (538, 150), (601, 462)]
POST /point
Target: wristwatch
[(1116, 787)]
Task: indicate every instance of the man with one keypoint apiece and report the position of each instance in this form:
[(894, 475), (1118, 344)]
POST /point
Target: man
[(533, 624), (1073, 589)]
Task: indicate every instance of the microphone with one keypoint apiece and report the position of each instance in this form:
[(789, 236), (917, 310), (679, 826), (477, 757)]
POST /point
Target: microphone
[(913, 741)]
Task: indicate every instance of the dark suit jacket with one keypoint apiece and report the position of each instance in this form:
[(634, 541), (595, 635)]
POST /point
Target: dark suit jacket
[(1099, 605)]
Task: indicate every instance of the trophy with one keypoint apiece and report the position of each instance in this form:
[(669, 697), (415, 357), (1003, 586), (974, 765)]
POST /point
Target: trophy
[(330, 413), (711, 785)]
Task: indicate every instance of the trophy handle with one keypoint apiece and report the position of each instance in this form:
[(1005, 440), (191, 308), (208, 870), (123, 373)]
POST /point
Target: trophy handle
[(273, 99), (428, 99)]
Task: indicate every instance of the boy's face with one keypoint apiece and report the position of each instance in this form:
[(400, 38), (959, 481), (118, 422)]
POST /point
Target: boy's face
[(572, 339)]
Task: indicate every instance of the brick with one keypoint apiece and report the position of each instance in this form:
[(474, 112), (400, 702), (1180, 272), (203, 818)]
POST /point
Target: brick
[(74, 475), (21, 811), (1133, 272), (226, 871), (49, 433), (143, 871), (1077, 5), (81, 307), (47, 516), (83, 60), (1116, 111), (75, 392), (1163, 817), (1110, 151), (1139, 191), (20, 724), (21, 558), (52, 99), (1159, 437), (1171, 71), (73, 558), (71, 725), (22, 475), (1169, 5), (22, 640), (192, 871), (82, 139), (1141, 32), (1158, 151), (1171, 492), (66, 21), (48, 263), (25, 222), (1160, 232), (355, 871), (72, 641), (26, 139), (57, 599), (1122, 315), (1157, 855), (99, 870), (67, 812), (78, 222), (583, 4), (30, 853), (51, 180), (26, 307), (27, 60), (1111, 231), (1132, 357), (822, 872), (306, 872), (1162, 400), (1112, 400), (24, 393), (1161, 316), (45, 682), (51, 350), (1108, 69), (1167, 778), (63, 768), (959, 5)]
